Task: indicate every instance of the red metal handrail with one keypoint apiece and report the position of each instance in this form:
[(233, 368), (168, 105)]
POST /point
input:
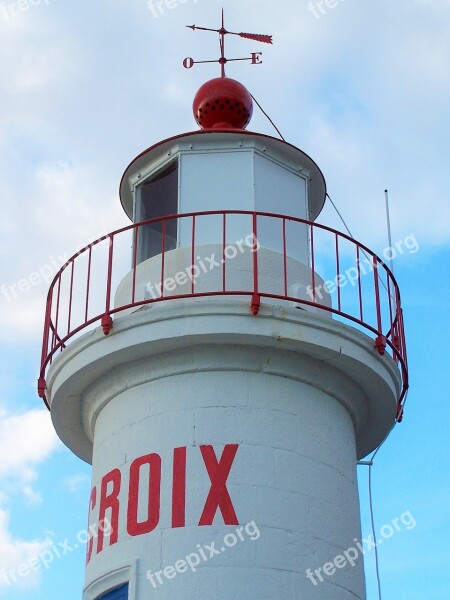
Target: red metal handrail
[(85, 283)]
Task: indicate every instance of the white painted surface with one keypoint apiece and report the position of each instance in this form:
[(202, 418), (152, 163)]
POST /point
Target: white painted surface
[(279, 189), (284, 192), (209, 272), (219, 180), (197, 148), (300, 395), (294, 475), (242, 179), (238, 178)]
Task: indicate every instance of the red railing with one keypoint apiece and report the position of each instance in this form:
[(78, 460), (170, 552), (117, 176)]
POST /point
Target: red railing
[(345, 278)]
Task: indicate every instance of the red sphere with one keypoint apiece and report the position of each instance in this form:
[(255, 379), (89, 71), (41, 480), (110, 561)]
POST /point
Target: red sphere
[(223, 103)]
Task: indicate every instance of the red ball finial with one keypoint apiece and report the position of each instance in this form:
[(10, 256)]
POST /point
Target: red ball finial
[(223, 103)]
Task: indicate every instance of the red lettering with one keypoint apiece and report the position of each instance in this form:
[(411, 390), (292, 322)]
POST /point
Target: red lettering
[(154, 495), (218, 496), (109, 501), (256, 60), (179, 488), (90, 544), (188, 63), (144, 495)]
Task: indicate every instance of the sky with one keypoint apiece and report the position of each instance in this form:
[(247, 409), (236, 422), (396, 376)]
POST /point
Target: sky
[(362, 86)]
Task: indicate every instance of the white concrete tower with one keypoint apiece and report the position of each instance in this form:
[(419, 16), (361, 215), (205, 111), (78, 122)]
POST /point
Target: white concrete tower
[(225, 385)]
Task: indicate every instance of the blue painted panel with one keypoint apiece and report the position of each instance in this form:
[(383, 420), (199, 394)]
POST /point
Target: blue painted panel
[(117, 594)]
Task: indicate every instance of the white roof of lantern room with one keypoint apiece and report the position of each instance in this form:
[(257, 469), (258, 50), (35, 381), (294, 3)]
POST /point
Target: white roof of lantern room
[(288, 155)]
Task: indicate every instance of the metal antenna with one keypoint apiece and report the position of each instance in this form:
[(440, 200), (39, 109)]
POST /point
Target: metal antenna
[(388, 220)]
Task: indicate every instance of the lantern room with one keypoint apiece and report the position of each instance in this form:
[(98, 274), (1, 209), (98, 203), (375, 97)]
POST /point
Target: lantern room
[(232, 172), (218, 170)]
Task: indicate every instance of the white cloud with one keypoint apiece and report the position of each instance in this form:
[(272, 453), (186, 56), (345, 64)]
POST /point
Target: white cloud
[(62, 196), (17, 558), (76, 483), (25, 441)]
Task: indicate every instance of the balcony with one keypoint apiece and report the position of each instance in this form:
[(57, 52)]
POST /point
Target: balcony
[(254, 257)]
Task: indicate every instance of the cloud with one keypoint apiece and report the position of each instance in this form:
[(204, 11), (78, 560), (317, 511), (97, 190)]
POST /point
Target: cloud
[(26, 440), (76, 483), (17, 557), (62, 196)]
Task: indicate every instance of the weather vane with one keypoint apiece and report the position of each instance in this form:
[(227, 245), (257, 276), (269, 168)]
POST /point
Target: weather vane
[(255, 57)]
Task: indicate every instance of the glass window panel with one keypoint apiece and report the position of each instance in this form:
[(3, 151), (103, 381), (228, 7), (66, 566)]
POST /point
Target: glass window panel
[(157, 197)]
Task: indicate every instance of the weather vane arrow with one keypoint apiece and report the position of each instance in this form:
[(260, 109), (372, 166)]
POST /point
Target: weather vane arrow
[(255, 59), (267, 39)]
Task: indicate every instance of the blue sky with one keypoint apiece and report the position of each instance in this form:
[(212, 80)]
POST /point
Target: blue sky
[(362, 87)]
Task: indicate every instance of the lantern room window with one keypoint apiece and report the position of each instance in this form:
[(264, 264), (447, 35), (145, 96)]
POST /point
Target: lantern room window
[(157, 197)]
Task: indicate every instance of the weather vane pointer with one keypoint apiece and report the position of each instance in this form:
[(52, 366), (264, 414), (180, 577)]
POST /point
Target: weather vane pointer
[(255, 57)]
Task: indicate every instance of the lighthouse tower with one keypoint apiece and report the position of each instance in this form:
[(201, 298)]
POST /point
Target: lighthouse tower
[(225, 375)]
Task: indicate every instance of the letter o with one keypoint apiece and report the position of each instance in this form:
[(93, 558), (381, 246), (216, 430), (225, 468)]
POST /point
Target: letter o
[(234, 540), (134, 526), (234, 252)]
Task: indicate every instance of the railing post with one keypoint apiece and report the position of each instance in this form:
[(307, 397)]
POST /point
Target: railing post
[(58, 301), (380, 342), (88, 284), (193, 256), (285, 259), (256, 298), (69, 318), (46, 336), (358, 264), (135, 249), (107, 322), (42, 385), (313, 266), (224, 243), (163, 256), (338, 271)]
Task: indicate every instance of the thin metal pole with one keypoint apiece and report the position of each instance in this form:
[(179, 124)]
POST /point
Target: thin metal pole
[(224, 243), (313, 273), (255, 257), (388, 221), (285, 258), (135, 249), (338, 271), (193, 256), (377, 296), (109, 275), (88, 285), (70, 297)]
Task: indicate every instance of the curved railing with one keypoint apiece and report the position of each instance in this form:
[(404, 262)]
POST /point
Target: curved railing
[(345, 278)]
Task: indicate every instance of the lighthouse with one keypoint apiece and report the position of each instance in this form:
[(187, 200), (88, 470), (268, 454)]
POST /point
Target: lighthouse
[(224, 362)]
